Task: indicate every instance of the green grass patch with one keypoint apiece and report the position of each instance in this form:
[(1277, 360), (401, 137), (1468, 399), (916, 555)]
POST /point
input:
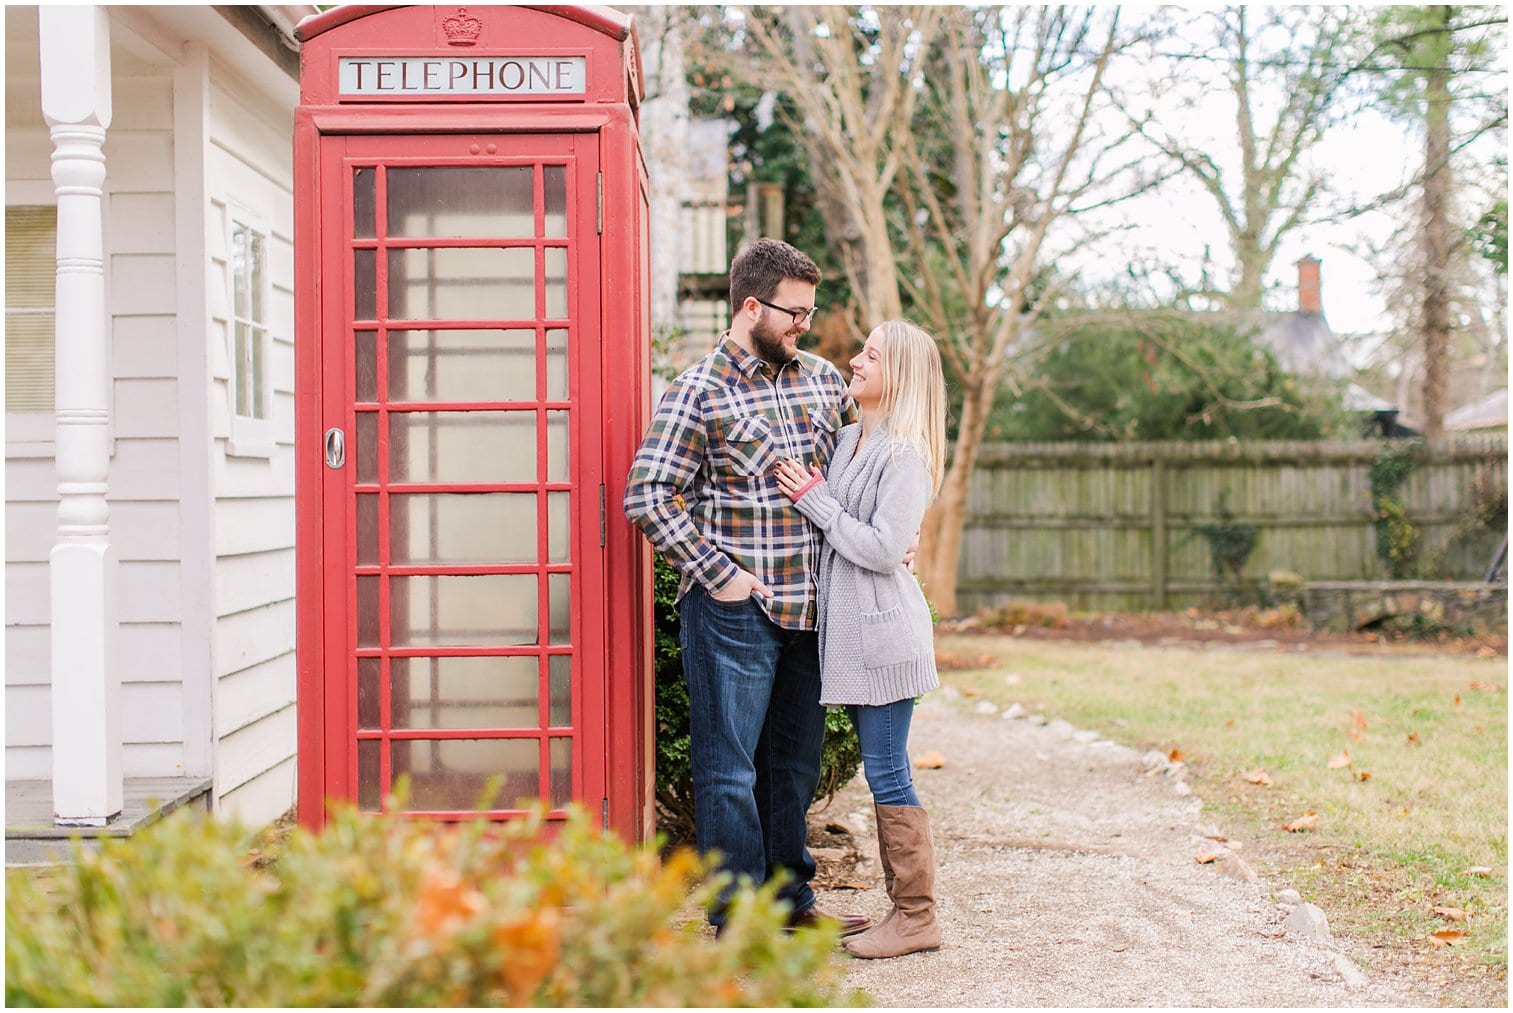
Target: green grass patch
[(1422, 799)]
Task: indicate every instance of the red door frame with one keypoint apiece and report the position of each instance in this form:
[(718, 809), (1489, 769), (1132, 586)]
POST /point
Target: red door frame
[(340, 155), (614, 706)]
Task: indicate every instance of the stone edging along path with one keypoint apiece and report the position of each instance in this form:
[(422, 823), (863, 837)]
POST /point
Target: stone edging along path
[(1067, 877)]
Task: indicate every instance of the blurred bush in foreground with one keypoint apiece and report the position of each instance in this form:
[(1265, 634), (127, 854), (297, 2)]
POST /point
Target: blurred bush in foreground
[(394, 912)]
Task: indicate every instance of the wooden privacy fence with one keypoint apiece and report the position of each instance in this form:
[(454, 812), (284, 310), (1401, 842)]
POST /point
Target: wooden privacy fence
[(1117, 526)]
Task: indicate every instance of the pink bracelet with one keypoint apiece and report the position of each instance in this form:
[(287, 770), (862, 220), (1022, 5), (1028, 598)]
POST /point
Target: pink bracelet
[(798, 493)]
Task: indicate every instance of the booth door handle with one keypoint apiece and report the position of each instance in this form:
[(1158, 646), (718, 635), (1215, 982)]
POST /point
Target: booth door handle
[(336, 448)]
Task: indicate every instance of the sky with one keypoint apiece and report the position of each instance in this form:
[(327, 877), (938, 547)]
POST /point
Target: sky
[(1364, 155)]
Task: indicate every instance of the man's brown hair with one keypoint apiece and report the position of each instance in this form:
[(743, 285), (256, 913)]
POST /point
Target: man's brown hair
[(759, 269)]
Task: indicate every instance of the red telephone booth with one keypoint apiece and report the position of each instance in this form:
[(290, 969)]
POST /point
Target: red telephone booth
[(472, 339)]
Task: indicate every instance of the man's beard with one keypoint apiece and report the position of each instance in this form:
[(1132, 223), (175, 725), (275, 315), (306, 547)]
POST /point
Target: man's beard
[(768, 343)]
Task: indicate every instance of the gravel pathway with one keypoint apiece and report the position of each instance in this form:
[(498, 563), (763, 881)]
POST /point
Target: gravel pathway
[(1067, 877)]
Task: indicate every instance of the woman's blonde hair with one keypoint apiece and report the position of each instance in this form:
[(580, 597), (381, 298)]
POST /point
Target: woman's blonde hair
[(913, 402)]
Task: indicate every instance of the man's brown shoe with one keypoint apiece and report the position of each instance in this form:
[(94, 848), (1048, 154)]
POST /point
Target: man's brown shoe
[(850, 924)]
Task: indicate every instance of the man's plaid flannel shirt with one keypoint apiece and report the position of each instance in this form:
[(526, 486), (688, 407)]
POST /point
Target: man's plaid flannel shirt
[(702, 485)]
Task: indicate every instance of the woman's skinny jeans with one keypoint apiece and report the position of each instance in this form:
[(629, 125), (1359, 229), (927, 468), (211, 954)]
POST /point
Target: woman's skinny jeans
[(884, 736)]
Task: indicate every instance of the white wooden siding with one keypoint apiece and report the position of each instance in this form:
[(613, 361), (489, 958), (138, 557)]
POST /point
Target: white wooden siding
[(249, 177), (188, 147), (144, 487)]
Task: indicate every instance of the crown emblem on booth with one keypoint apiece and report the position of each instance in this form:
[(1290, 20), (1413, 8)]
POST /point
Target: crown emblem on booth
[(462, 29)]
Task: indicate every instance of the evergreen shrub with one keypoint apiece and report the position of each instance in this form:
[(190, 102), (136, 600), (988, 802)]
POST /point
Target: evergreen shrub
[(842, 756)]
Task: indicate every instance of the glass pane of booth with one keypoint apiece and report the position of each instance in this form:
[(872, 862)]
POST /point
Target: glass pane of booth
[(363, 202), (561, 671), (453, 693), (460, 202), (554, 178), (441, 610), (364, 284), (463, 446), (556, 365), (562, 772), (462, 365), (369, 703), (462, 283), (429, 530), (452, 774), (367, 530), (370, 788), (365, 364), (556, 282)]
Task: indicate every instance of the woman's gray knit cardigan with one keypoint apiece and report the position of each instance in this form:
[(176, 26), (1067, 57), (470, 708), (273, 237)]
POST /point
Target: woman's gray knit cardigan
[(877, 644)]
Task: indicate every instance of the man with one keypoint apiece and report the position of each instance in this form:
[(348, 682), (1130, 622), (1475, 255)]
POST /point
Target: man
[(702, 487)]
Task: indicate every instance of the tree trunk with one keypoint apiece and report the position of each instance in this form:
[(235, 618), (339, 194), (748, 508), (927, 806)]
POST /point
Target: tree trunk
[(940, 537), (1438, 230)]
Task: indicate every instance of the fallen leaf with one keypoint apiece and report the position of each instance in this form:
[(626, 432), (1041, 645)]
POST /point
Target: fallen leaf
[(1478, 870), (1414, 739), (1217, 837), (1447, 937), (1485, 687), (1230, 723), (1307, 821), (1453, 914), (1357, 725), (1478, 729), (1205, 857), (970, 691), (1363, 775), (1342, 760), (1457, 699), (1259, 776), (930, 761), (1012, 679), (1176, 755)]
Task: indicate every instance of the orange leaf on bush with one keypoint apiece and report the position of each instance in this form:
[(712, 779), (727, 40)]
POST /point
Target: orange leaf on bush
[(446, 903), (531, 942), (930, 761)]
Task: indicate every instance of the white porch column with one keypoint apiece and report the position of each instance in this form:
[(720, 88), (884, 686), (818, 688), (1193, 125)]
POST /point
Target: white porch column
[(86, 687)]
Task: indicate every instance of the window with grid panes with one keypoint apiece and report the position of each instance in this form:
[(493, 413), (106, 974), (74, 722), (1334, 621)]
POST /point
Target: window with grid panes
[(31, 240), (249, 323)]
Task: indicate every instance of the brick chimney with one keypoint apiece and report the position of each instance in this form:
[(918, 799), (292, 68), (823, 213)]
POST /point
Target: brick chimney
[(1310, 287)]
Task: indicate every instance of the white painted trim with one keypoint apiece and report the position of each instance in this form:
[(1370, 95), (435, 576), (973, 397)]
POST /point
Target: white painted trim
[(88, 779), (191, 114)]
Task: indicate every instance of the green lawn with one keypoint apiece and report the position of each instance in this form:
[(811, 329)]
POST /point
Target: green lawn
[(1423, 799)]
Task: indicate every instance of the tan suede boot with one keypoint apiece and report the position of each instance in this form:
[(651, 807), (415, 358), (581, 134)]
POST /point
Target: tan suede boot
[(882, 856), (903, 833)]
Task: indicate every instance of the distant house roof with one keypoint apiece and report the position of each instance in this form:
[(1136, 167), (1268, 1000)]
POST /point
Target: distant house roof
[(1303, 343), (1490, 412)]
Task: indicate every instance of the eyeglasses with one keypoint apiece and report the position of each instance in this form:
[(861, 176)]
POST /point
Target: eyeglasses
[(799, 316)]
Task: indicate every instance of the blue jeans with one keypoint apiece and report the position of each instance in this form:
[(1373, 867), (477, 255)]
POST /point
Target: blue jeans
[(884, 736), (756, 728)]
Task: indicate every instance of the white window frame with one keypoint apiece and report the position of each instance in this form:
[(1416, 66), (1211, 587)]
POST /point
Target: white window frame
[(34, 434), (251, 436)]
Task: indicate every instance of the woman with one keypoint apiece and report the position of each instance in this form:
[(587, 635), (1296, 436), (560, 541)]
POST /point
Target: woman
[(876, 639)]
